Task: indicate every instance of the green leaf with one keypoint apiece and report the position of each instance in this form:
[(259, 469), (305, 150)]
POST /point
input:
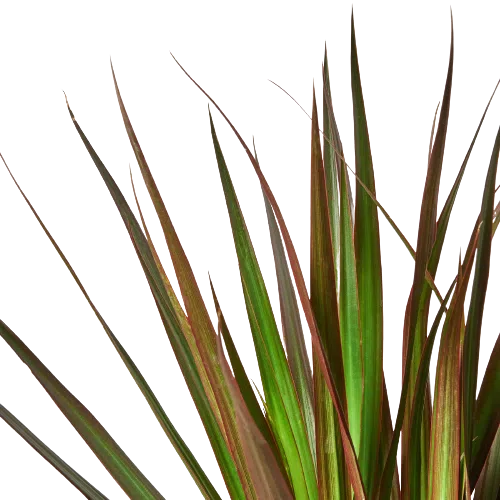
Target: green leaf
[(420, 295), (184, 452), (444, 217), (478, 295), (329, 452), (199, 320), (318, 348), (292, 330), (445, 444), (488, 487), (264, 470), (369, 274), (486, 415), (80, 483), (121, 468), (350, 327), (243, 382), (385, 444), (173, 328), (281, 399)]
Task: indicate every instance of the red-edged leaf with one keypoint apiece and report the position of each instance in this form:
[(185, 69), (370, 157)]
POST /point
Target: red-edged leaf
[(352, 463), (369, 275), (329, 452), (264, 470)]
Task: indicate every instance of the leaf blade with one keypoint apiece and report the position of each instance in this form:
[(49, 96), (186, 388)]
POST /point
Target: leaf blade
[(58, 463), (369, 274)]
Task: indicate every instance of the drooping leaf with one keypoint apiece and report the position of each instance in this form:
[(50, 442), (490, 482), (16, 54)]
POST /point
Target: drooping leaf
[(318, 348), (369, 275), (172, 326), (118, 464), (478, 295), (284, 411), (58, 463)]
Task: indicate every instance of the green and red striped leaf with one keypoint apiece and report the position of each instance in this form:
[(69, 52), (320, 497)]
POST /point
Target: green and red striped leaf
[(369, 275), (478, 295), (329, 451), (172, 325)]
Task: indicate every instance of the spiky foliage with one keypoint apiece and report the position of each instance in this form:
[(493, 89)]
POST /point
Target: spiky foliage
[(323, 430)]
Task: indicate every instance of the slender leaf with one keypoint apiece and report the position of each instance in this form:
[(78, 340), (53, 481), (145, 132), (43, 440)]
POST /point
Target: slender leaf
[(292, 329), (199, 320), (318, 348), (385, 443), (170, 320), (58, 463), (478, 295), (445, 447), (419, 311), (350, 327), (265, 472), (488, 487), (283, 406), (184, 452), (242, 379), (329, 452), (486, 415), (121, 468), (369, 275)]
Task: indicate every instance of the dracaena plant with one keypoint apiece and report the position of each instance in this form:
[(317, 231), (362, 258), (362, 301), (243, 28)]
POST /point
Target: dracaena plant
[(322, 427)]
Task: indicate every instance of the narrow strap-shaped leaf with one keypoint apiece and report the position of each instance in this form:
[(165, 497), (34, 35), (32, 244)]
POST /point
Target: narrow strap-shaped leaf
[(420, 387), (350, 328), (281, 398), (171, 323), (488, 487), (58, 463), (329, 451), (414, 476), (264, 470), (292, 329), (118, 464), (445, 444), (369, 274), (444, 217), (330, 162), (389, 219), (478, 295), (351, 460), (421, 293), (242, 379), (432, 135), (199, 320), (486, 415), (184, 452), (385, 443)]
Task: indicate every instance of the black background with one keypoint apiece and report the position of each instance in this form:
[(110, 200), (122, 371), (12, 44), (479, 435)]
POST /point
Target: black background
[(401, 51)]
